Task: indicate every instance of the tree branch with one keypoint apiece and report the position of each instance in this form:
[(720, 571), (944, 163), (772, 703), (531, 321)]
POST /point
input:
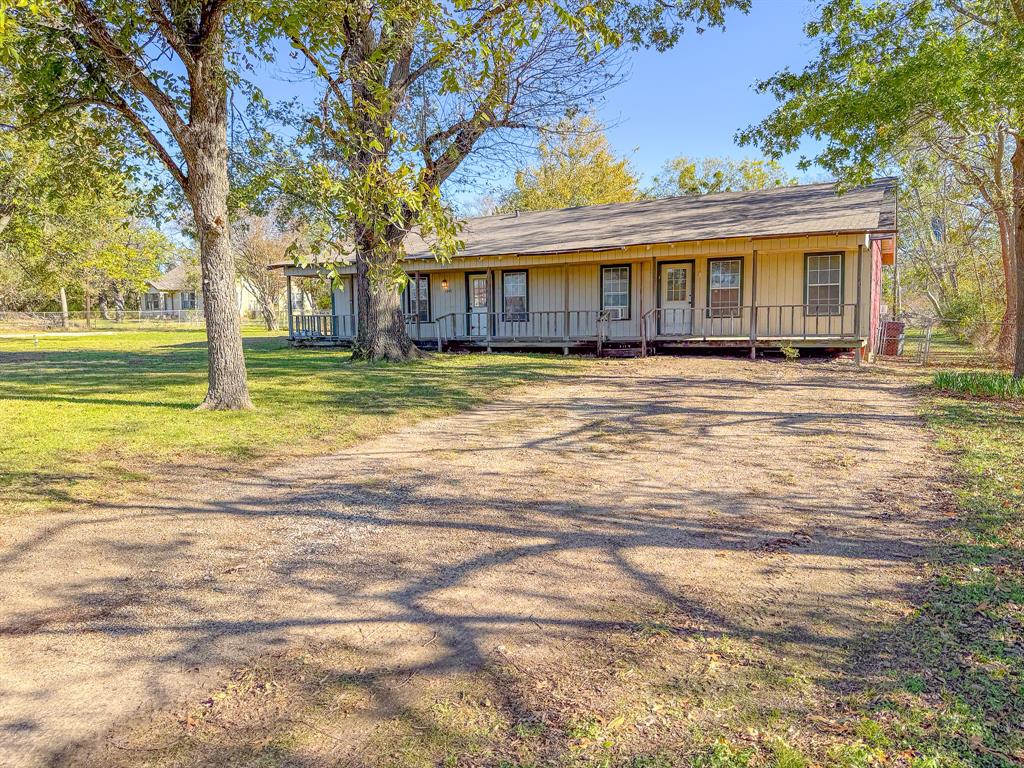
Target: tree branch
[(174, 39), (432, 61), (321, 69), (128, 68), (123, 108)]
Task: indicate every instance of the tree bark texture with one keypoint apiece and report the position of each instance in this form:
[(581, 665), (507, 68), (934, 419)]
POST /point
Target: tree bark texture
[(269, 313), (1018, 246), (382, 335), (1007, 328), (101, 301), (119, 303), (64, 318), (206, 153)]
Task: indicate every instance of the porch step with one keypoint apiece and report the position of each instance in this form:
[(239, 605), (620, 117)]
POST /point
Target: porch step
[(621, 352)]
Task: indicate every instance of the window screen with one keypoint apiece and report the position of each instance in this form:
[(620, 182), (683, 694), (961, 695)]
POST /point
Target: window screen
[(615, 292), (824, 289), (514, 296), (725, 287), (418, 298)]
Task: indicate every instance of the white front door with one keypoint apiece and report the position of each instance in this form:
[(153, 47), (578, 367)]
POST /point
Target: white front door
[(676, 299), (479, 305)]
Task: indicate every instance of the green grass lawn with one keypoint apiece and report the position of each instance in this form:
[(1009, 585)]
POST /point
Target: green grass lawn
[(82, 415), (951, 691), (980, 384)]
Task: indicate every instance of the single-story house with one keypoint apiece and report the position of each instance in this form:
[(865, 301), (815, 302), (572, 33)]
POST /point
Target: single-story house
[(791, 266), (176, 292), (176, 289)]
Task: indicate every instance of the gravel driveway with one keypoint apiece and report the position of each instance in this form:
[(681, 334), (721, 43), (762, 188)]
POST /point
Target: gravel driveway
[(770, 499)]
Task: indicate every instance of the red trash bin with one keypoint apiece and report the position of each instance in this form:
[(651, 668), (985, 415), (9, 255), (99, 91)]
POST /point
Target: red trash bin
[(893, 334)]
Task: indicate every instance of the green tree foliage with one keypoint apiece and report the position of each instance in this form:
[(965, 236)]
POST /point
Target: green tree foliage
[(412, 89), (704, 176), (162, 69), (575, 166), (885, 71), (950, 254), (73, 216)]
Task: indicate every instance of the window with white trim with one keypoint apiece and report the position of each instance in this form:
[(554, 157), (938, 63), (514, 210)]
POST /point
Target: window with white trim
[(151, 302), (823, 288), (615, 291), (725, 287), (514, 297), (417, 298), (188, 300)]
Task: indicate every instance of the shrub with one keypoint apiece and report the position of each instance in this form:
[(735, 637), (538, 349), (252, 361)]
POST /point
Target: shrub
[(789, 351)]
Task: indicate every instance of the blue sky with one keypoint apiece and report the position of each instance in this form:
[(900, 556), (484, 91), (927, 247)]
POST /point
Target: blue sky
[(692, 100), (689, 100)]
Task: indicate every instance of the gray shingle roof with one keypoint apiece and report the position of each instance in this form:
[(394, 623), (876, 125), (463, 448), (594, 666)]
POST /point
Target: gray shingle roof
[(777, 212), (805, 209), (175, 279)]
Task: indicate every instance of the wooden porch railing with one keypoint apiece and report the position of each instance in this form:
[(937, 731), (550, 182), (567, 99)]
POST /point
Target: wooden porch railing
[(780, 322), (323, 326), (547, 325)]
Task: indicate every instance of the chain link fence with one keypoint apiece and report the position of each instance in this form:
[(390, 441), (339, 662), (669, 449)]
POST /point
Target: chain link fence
[(924, 340), (57, 322)]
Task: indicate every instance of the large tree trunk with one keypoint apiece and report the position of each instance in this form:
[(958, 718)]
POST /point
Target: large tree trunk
[(104, 306), (207, 191), (382, 334), (1018, 247)]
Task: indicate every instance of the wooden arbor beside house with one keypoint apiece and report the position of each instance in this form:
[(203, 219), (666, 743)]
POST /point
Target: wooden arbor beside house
[(792, 266)]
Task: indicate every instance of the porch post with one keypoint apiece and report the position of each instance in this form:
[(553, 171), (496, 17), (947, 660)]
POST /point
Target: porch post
[(565, 307), (655, 287), (334, 310), (856, 309), (417, 279), (640, 300), (288, 289), (753, 306), (490, 306)]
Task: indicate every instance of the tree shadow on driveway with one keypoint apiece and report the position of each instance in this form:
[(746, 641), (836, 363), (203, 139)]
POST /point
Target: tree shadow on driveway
[(780, 506)]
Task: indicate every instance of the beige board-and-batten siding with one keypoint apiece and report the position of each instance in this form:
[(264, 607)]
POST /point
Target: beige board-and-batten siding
[(780, 281)]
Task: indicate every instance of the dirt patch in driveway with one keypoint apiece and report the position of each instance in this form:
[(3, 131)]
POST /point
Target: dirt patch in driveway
[(706, 533)]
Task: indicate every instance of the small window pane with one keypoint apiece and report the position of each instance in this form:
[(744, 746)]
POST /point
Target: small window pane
[(676, 287), (824, 284), (725, 293), (418, 297), (514, 296), (615, 292)]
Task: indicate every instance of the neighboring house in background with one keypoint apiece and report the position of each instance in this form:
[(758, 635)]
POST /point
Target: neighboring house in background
[(178, 289), (789, 266), (174, 290)]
